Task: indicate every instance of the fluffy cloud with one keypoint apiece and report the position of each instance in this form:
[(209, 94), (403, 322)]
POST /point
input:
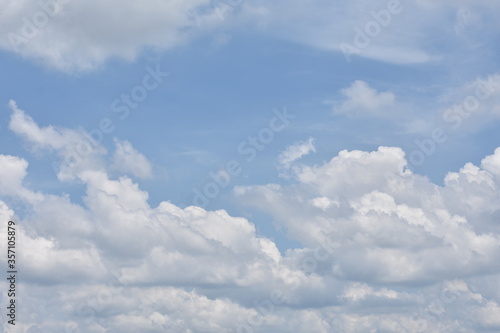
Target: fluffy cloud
[(80, 35), (128, 160), (117, 232), (382, 249), (387, 224), (48, 137), (77, 150), (365, 217), (12, 173)]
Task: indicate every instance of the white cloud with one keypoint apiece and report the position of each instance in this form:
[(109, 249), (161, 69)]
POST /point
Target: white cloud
[(410, 36), (390, 225), (361, 99), (128, 160), (296, 151), (12, 173), (383, 249), (492, 163), (323, 203), (48, 137), (328, 25), (76, 150), (80, 35)]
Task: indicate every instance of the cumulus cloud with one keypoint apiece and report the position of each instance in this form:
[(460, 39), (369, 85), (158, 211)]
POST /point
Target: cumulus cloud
[(48, 137), (117, 231), (393, 216), (12, 173), (365, 217), (361, 99), (128, 160), (381, 249), (76, 150)]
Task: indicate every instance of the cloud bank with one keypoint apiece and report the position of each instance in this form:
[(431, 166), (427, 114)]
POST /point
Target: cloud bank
[(381, 248)]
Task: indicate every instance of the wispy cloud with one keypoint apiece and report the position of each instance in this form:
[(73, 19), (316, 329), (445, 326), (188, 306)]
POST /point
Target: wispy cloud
[(362, 100), (296, 151)]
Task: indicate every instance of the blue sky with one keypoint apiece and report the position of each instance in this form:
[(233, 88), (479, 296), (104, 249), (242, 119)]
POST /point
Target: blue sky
[(403, 132)]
